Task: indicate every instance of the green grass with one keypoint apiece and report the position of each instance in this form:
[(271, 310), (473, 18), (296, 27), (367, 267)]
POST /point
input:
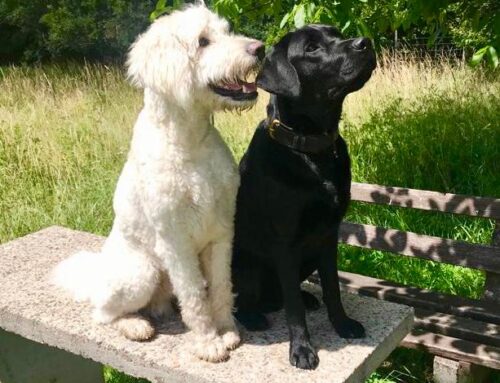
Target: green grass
[(65, 130)]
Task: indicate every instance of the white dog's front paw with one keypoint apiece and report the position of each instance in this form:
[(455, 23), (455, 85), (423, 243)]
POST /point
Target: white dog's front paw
[(135, 327), (231, 339), (212, 350)]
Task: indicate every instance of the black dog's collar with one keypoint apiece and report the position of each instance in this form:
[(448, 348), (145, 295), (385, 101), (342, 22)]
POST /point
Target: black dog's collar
[(305, 143)]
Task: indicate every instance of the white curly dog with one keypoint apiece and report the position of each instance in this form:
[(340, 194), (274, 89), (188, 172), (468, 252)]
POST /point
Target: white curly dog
[(174, 202)]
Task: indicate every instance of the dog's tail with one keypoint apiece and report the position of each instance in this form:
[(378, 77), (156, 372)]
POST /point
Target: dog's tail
[(77, 274)]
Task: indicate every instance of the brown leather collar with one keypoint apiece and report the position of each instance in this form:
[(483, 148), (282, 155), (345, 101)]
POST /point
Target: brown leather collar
[(305, 143)]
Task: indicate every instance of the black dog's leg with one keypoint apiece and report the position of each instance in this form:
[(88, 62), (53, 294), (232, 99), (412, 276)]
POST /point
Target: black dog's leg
[(328, 273), (246, 283), (302, 353), (310, 301)]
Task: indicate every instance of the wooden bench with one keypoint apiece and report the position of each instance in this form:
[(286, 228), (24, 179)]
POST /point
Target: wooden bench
[(463, 333)]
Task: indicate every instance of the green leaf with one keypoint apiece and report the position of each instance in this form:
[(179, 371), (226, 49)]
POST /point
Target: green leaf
[(344, 28), (162, 8), (478, 56), (310, 8), (365, 30), (493, 56), (300, 16), (160, 5), (326, 16), (158, 12), (284, 20)]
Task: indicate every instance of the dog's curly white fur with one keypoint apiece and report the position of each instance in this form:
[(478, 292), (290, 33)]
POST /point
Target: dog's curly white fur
[(175, 198)]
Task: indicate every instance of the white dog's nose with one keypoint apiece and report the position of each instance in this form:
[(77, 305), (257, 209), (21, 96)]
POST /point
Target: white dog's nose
[(256, 48)]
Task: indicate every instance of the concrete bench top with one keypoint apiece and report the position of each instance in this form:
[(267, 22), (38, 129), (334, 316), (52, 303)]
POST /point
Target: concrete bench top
[(32, 308)]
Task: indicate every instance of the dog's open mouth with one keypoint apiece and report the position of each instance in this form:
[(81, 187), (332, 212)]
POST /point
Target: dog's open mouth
[(238, 91)]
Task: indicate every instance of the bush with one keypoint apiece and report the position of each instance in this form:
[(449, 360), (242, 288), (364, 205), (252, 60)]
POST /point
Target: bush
[(94, 29)]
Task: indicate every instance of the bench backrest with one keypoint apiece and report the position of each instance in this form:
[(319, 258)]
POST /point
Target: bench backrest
[(477, 256)]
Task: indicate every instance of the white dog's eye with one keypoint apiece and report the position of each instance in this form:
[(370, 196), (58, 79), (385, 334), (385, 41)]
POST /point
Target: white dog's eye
[(203, 41)]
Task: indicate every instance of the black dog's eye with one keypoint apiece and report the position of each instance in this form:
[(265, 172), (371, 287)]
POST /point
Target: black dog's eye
[(312, 47), (203, 41)]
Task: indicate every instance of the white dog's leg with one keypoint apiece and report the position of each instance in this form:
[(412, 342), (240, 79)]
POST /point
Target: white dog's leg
[(216, 261), (189, 286), (138, 327), (160, 306), (125, 284)]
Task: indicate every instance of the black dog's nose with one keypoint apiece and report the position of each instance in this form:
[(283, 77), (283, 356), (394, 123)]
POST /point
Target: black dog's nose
[(257, 48), (361, 43)]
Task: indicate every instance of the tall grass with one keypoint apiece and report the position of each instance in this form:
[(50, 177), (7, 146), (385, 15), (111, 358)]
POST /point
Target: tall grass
[(65, 130)]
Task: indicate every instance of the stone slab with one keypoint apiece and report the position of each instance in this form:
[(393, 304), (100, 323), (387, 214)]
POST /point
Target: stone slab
[(455, 371), (25, 361), (32, 308)]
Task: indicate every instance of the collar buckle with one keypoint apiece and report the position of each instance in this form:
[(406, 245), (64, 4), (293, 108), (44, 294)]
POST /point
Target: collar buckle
[(272, 127)]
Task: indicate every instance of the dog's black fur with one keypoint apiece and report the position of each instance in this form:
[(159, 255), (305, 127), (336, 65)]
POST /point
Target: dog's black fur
[(290, 204)]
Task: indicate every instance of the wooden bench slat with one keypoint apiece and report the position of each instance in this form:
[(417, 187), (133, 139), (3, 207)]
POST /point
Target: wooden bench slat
[(477, 256), (458, 327), (420, 298), (454, 348), (486, 207)]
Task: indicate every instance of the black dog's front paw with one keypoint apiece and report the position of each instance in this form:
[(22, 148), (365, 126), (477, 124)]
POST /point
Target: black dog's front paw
[(252, 321), (303, 355), (349, 328)]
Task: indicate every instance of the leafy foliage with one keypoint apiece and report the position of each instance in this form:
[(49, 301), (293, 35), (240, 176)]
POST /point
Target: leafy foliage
[(94, 29), (474, 23), (101, 29)]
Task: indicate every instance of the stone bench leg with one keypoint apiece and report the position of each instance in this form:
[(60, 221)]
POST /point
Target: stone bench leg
[(25, 361), (452, 371)]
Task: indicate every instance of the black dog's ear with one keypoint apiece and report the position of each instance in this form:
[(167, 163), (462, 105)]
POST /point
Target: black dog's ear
[(278, 76)]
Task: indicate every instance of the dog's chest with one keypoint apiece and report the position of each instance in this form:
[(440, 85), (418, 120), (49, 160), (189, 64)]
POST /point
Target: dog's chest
[(192, 193), (200, 186), (307, 198), (327, 180)]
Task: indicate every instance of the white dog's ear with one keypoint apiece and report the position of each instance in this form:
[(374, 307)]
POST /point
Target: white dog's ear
[(160, 61), (135, 64), (200, 3)]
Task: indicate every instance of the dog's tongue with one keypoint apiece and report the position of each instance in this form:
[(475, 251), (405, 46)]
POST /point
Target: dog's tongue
[(245, 87), (232, 86), (249, 87)]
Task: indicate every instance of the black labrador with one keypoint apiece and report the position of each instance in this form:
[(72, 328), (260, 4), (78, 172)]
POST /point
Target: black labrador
[(295, 185)]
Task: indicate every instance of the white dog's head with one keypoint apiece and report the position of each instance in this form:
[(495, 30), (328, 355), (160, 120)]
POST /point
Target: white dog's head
[(191, 57)]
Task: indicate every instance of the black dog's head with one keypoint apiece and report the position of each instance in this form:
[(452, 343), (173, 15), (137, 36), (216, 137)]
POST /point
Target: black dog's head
[(315, 62)]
